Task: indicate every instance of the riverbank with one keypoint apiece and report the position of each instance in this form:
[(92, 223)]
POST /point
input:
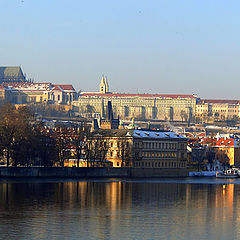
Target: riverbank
[(96, 172)]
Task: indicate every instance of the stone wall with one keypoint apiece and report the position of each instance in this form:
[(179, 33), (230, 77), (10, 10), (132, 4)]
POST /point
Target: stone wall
[(66, 172)]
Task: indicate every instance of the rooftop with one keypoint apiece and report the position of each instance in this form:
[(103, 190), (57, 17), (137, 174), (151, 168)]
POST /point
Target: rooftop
[(219, 101), (137, 134), (11, 74), (166, 96)]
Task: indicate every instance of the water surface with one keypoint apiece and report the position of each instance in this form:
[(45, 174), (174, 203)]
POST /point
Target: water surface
[(120, 209)]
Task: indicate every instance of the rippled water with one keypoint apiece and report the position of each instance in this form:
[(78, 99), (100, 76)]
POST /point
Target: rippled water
[(120, 209)]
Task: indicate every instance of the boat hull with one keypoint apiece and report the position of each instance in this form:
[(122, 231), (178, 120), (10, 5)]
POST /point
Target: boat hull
[(227, 176)]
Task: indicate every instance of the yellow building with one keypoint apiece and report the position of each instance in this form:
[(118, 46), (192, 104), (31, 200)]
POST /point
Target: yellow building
[(138, 106), (228, 151), (139, 148), (220, 109), (28, 92)]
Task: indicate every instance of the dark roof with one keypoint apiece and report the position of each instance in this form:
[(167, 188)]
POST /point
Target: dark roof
[(137, 133), (112, 133), (11, 74)]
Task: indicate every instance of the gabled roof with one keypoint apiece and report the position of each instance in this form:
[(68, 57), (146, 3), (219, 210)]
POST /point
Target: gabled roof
[(11, 74), (64, 87)]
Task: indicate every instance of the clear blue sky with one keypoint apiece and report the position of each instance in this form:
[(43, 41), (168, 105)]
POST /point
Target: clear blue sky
[(162, 46)]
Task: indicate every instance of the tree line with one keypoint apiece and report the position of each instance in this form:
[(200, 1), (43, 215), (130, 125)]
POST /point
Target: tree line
[(24, 141)]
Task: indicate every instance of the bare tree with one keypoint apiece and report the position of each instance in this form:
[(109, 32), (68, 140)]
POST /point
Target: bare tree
[(96, 151), (126, 152), (16, 130)]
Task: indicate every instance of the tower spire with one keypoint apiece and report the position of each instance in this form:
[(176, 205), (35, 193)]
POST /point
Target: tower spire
[(103, 87)]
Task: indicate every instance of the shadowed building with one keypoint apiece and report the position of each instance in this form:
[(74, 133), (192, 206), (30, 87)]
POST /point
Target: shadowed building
[(11, 75), (139, 148), (109, 122)]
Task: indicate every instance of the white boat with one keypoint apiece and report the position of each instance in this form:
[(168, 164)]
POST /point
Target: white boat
[(230, 173)]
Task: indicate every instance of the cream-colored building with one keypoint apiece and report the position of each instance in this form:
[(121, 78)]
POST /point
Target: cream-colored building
[(221, 109), (138, 106), (28, 92), (138, 148)]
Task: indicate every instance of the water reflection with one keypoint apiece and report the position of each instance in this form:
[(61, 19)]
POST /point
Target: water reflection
[(118, 210)]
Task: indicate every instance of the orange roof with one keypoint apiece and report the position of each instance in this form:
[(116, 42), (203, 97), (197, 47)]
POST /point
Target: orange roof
[(219, 101), (65, 87), (230, 142)]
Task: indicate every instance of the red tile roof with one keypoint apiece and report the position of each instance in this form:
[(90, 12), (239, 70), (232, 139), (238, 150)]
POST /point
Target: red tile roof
[(135, 95), (65, 87), (219, 101), (225, 142)]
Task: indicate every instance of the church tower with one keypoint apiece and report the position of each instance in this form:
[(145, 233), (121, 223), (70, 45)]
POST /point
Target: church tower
[(104, 88)]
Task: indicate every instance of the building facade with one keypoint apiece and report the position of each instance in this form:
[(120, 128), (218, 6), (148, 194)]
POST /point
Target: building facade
[(138, 106), (24, 93), (140, 148), (227, 151), (217, 108)]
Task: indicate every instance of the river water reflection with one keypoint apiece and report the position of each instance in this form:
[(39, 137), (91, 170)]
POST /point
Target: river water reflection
[(119, 209)]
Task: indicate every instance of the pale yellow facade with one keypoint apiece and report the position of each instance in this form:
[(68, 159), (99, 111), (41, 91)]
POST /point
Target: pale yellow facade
[(140, 107), (225, 110), (142, 152)]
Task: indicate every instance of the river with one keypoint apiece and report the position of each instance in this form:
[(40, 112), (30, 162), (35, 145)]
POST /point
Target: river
[(120, 209)]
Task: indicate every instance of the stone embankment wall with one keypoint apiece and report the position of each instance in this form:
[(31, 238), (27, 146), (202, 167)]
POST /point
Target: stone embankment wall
[(67, 172)]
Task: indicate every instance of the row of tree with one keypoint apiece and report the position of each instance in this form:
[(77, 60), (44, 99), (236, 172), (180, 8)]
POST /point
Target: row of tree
[(26, 142)]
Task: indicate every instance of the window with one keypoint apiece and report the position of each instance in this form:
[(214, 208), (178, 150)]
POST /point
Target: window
[(118, 164)]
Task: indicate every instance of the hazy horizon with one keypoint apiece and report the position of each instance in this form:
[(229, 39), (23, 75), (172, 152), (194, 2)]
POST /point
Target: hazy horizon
[(166, 47)]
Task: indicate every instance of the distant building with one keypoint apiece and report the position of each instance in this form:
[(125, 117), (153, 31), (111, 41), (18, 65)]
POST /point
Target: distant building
[(104, 87), (64, 94), (12, 75), (227, 151), (218, 108), (107, 120), (139, 148), (138, 106), (28, 92)]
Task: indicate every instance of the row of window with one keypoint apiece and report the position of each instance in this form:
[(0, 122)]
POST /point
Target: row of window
[(159, 164), (160, 145), (159, 154)]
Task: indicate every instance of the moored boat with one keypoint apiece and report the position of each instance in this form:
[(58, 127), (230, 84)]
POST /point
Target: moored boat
[(230, 173)]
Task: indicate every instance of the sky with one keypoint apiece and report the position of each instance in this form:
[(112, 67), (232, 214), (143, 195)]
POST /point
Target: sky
[(142, 46)]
